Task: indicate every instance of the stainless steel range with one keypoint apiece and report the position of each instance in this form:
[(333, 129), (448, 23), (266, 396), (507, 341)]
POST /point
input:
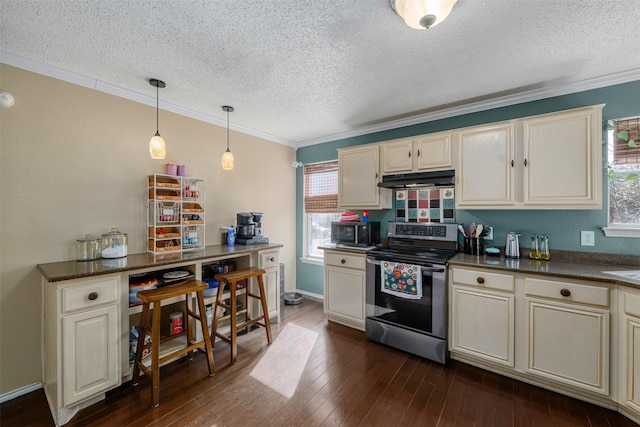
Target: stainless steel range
[(406, 301)]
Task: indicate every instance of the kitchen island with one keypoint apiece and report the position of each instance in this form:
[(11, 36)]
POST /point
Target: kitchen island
[(88, 316), (571, 325)]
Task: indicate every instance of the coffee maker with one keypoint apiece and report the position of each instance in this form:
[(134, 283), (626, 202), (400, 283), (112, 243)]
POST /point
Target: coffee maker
[(249, 230)]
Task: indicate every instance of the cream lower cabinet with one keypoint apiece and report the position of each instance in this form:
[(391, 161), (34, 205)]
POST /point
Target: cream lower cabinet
[(81, 336), (550, 161), (344, 288), (358, 177), (629, 353), (552, 333), (567, 333), (270, 262), (482, 316)]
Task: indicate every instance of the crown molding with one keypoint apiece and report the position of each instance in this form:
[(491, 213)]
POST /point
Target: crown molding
[(504, 101), (95, 84)]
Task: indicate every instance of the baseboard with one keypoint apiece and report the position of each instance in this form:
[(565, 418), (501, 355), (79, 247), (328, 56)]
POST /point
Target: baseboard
[(311, 295), (20, 392)]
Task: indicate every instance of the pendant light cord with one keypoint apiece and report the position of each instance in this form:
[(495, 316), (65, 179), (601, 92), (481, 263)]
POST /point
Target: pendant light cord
[(157, 108), (227, 130)]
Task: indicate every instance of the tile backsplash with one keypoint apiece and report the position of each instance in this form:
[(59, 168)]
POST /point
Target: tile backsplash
[(425, 205)]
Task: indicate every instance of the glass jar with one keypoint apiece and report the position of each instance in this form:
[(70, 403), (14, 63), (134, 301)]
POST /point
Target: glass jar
[(534, 252), (544, 248), (88, 248), (114, 244)]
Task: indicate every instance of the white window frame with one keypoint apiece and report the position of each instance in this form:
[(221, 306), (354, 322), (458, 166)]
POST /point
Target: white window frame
[(616, 229)]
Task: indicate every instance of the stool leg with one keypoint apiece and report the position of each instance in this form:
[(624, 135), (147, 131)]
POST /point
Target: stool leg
[(216, 308), (234, 323), (265, 309), (144, 321), (188, 323), (155, 350), (205, 333)]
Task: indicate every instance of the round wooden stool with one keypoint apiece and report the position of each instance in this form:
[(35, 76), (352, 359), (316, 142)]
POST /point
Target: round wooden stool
[(263, 320), (156, 296)]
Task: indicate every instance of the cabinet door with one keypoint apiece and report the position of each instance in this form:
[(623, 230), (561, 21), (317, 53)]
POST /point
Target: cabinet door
[(486, 171), (344, 296), (397, 156), (562, 159), (482, 324), (568, 344), (629, 362), (91, 361), (432, 151), (358, 179), (272, 288)]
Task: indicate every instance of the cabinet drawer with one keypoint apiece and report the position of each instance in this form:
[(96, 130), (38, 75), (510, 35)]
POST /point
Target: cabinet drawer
[(269, 259), (344, 260), (91, 294), (484, 279), (632, 305), (568, 292)]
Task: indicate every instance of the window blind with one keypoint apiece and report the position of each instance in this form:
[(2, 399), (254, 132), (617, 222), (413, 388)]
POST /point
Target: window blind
[(622, 153), (321, 187)]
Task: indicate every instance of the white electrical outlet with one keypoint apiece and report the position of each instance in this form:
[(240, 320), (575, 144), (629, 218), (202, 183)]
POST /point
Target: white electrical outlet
[(489, 236), (587, 238)]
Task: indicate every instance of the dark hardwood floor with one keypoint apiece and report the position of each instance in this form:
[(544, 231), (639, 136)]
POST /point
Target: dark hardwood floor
[(345, 380)]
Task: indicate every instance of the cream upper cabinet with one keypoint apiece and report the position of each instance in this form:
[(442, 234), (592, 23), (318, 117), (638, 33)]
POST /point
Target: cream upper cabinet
[(573, 320), (551, 161), (562, 159), (629, 352), (416, 154), (358, 177), (485, 174)]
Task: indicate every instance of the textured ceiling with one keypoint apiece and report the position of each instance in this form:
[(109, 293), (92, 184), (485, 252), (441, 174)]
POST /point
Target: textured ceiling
[(300, 71)]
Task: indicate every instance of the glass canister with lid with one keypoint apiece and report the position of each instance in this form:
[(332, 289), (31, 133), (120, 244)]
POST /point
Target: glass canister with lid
[(88, 248), (114, 244)]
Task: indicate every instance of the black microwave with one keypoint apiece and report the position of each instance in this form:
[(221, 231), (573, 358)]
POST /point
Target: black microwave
[(360, 234)]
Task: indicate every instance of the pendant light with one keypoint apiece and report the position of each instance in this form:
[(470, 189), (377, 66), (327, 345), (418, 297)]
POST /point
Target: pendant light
[(227, 157), (157, 146)]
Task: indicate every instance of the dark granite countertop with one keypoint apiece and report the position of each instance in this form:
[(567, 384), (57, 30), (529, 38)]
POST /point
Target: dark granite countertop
[(352, 249), (581, 269), (67, 270)]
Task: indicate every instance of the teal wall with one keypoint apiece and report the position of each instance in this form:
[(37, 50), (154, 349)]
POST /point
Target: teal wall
[(563, 227)]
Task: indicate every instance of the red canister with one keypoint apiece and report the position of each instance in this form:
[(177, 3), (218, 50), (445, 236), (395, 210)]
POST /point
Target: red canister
[(175, 322)]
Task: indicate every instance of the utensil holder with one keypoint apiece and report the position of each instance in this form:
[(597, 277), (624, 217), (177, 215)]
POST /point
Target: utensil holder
[(472, 246)]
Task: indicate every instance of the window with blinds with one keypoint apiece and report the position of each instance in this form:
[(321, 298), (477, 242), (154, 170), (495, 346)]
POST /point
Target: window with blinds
[(320, 205), (321, 187), (626, 149)]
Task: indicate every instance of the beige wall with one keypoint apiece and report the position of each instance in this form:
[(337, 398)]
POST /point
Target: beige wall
[(74, 160)]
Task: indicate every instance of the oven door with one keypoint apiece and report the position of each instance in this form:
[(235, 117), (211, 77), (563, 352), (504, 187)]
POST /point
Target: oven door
[(427, 315)]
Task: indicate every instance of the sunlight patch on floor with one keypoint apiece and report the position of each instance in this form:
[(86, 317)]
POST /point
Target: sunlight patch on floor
[(282, 365)]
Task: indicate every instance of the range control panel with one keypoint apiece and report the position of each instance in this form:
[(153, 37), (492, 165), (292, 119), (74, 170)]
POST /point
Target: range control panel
[(425, 230)]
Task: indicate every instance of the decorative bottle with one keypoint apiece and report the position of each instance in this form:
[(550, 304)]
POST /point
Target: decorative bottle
[(534, 252)]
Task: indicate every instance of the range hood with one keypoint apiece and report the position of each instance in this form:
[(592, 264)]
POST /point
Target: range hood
[(420, 179)]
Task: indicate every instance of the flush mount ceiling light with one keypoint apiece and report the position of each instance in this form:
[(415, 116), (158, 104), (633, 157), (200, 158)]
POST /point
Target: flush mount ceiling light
[(227, 157), (421, 14), (157, 146)]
